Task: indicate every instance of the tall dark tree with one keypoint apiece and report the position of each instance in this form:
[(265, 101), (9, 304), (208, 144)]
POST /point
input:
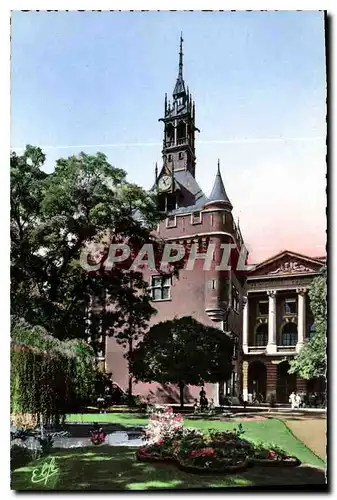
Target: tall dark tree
[(54, 217), (183, 352)]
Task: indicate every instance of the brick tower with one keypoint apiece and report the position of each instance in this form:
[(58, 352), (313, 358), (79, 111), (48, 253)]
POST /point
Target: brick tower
[(212, 296)]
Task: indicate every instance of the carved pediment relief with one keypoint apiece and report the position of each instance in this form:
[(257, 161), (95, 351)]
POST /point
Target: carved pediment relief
[(291, 266), (287, 264)]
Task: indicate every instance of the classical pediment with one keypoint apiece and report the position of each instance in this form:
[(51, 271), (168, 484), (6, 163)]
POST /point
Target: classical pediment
[(287, 263)]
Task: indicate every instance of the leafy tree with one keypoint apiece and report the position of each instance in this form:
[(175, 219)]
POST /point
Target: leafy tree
[(54, 217), (183, 352), (310, 362)]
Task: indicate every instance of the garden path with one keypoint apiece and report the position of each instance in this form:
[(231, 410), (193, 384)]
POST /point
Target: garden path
[(312, 432)]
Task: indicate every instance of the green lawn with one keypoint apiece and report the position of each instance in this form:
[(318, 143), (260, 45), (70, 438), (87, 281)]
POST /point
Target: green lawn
[(115, 468), (270, 430), (105, 468)]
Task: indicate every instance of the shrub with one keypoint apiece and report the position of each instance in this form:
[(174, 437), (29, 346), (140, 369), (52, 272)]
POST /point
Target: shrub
[(24, 452), (46, 443), (48, 377), (163, 423)]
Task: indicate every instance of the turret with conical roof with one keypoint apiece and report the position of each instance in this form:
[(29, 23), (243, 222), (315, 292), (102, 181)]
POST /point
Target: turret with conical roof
[(218, 195)]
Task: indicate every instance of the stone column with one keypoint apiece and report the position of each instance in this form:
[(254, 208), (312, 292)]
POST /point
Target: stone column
[(245, 325), (245, 380), (301, 319), (271, 347)]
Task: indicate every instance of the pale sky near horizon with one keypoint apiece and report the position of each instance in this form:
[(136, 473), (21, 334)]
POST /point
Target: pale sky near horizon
[(96, 82)]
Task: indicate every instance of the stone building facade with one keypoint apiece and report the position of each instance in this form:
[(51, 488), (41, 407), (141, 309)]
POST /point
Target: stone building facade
[(228, 300), (277, 321)]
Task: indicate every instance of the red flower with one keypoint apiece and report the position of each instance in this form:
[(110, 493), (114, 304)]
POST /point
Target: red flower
[(203, 452), (272, 454)]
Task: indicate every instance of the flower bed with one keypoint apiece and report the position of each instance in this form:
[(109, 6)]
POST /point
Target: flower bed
[(283, 462), (213, 452), (223, 468), (272, 456)]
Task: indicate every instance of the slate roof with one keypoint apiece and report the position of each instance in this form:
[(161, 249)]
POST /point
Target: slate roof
[(218, 193), (186, 180), (179, 88)]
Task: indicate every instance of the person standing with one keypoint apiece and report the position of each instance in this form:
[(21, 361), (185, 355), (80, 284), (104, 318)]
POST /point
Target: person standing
[(292, 399), (107, 397), (203, 399)]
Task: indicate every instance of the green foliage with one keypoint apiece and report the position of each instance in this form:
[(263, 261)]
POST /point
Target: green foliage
[(21, 455), (184, 352), (46, 444), (53, 217), (49, 377), (310, 362)]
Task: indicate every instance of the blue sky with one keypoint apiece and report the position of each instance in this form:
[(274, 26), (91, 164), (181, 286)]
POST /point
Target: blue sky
[(86, 78)]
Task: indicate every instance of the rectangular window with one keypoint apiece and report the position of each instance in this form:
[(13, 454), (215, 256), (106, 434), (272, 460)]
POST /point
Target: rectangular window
[(235, 299), (213, 284), (263, 308), (171, 221), (169, 157), (171, 202), (290, 306), (181, 156), (160, 288), (196, 218)]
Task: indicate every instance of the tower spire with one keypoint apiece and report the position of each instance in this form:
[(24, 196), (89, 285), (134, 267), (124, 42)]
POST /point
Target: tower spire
[(180, 74), (179, 89), (179, 125)]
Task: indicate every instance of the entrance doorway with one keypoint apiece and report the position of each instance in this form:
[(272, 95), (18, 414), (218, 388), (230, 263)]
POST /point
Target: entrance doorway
[(285, 383), (257, 380)]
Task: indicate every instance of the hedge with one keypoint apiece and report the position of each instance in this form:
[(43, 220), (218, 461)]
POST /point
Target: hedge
[(49, 377)]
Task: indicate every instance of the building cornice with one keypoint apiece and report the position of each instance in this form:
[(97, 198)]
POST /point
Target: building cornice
[(283, 276)]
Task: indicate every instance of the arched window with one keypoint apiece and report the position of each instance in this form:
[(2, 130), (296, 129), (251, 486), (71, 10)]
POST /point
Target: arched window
[(181, 130), (169, 133), (289, 334), (262, 335)]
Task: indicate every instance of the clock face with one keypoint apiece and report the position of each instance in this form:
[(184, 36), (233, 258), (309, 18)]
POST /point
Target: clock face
[(165, 183)]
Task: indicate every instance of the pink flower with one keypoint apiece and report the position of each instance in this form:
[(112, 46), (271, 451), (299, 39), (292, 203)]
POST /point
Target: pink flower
[(160, 442), (271, 454)]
